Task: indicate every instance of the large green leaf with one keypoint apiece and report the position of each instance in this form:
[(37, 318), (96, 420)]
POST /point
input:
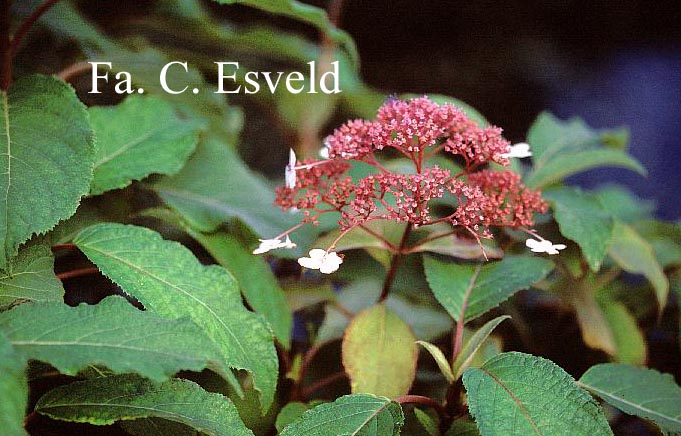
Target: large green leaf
[(494, 283), (305, 13), (629, 340), (113, 333), (635, 255), (167, 279), (562, 148), (256, 280), (216, 186), (46, 160), (160, 142), (379, 353), (13, 389), (582, 219), (516, 394), (32, 277), (358, 414), (104, 400), (638, 391)]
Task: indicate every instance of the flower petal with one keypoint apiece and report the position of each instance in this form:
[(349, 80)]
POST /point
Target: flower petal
[(309, 263)]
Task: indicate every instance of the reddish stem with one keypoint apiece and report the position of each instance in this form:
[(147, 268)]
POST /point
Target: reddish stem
[(5, 47), (425, 401), (27, 24), (59, 247), (394, 265), (78, 273), (314, 387)]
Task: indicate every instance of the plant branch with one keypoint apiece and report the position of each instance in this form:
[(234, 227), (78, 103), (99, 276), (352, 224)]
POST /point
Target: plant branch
[(74, 70), (28, 23), (394, 264), (457, 339), (5, 46), (319, 384), (78, 273), (425, 401), (59, 247)]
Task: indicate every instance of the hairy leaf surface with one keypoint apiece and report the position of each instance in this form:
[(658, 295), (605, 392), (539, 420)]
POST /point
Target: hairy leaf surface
[(13, 389), (32, 277), (45, 160), (167, 279), (103, 401)]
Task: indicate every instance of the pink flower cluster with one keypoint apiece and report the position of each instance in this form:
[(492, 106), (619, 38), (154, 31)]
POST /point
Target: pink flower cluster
[(476, 196)]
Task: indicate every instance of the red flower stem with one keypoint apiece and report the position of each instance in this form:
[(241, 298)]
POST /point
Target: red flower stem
[(5, 46), (28, 23), (387, 243), (304, 366), (314, 387), (74, 70), (394, 265), (425, 401), (78, 273), (429, 239), (59, 247), (457, 338)]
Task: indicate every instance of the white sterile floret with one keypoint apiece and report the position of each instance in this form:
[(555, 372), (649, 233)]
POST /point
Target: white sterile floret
[(326, 263), (544, 246), (272, 244), (324, 151), (290, 172), (519, 150)]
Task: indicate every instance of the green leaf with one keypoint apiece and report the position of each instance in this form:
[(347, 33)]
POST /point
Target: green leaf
[(462, 427), (596, 331), (216, 186), (13, 389), (494, 284), (290, 413), (306, 13), (630, 343), (156, 427), (427, 422), (623, 204), (637, 391), (46, 161), (519, 394), (105, 400), (582, 219), (635, 255), (465, 357), (358, 414), (379, 353), (460, 248), (167, 279), (32, 277), (160, 142), (562, 148), (440, 359), (256, 280), (113, 333)]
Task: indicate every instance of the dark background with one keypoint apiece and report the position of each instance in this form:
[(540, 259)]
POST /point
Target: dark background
[(610, 62)]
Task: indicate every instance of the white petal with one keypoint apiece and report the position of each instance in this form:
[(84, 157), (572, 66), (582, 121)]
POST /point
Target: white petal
[(532, 243), (290, 171), (261, 250), (291, 158), (559, 246), (328, 268), (324, 153), (309, 263), (287, 243), (318, 254)]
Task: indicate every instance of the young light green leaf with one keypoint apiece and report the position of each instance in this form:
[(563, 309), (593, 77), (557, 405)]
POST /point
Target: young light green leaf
[(635, 255), (160, 142), (216, 186), (46, 161), (13, 389), (104, 400), (440, 359), (495, 283), (358, 414), (516, 394), (637, 391), (582, 219), (32, 277), (290, 413), (306, 13), (379, 353), (465, 357), (630, 343), (167, 279), (112, 333), (596, 331)]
